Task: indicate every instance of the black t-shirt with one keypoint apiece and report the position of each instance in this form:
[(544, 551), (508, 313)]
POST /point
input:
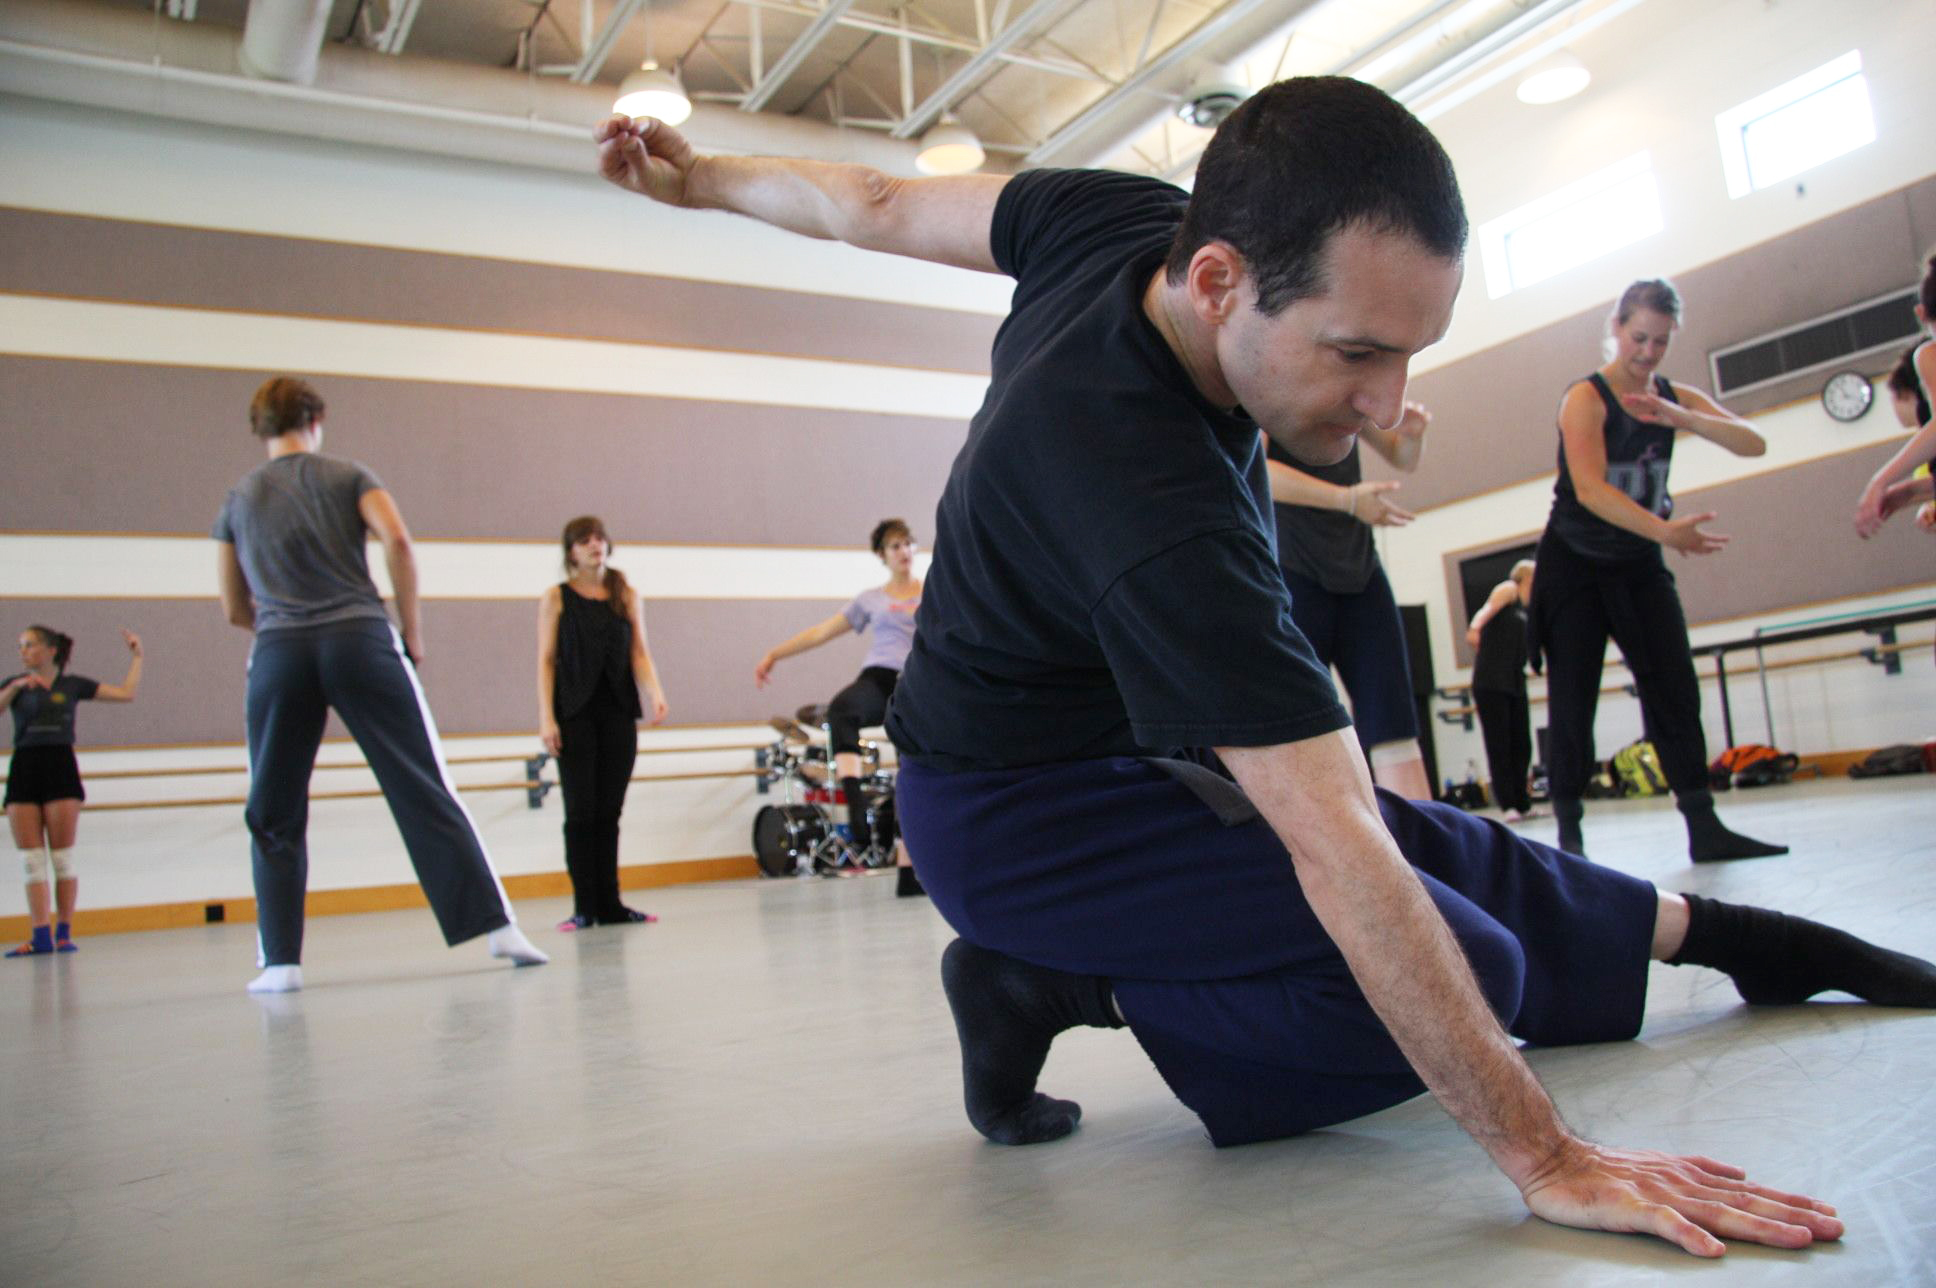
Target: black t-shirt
[(1501, 662), (1329, 547), (1638, 457), (1104, 580), (45, 717)]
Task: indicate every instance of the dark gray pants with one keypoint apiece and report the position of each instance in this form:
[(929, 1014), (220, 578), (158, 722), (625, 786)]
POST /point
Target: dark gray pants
[(357, 668)]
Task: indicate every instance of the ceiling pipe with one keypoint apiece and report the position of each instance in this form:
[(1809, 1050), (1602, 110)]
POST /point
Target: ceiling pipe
[(119, 59)]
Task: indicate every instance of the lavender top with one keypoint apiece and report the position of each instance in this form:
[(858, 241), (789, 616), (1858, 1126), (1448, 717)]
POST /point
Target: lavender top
[(893, 623)]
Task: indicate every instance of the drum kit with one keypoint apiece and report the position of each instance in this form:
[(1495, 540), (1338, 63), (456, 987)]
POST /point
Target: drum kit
[(806, 833)]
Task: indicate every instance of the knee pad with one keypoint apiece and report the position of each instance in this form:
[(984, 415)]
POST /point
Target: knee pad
[(63, 863), (34, 863)]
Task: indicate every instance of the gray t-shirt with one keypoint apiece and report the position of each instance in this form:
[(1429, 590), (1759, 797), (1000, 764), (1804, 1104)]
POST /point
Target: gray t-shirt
[(300, 538), (893, 623)]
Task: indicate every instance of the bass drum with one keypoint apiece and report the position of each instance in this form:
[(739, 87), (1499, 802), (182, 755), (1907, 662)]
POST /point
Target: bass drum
[(782, 834)]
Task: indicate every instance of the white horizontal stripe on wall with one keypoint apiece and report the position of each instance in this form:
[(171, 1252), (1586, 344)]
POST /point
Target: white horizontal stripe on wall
[(58, 566), (187, 854), (53, 328), (207, 177)]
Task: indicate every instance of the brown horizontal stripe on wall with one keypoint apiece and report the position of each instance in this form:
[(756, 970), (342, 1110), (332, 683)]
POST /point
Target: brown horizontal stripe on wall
[(84, 257), (1494, 413), (1794, 545), (480, 673), (120, 447)]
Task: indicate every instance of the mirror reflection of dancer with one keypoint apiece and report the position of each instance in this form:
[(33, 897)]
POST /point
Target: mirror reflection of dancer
[(1498, 632), (293, 570), (1340, 597), (44, 791), (1601, 571), (592, 665), (1889, 491), (1295, 949), (888, 611)]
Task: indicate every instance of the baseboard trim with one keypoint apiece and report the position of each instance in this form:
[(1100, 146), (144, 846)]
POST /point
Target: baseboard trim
[(386, 898)]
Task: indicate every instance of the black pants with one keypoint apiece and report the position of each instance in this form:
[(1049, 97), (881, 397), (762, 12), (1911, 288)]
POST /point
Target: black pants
[(358, 669), (1505, 719), (860, 704), (600, 746), (1578, 603)]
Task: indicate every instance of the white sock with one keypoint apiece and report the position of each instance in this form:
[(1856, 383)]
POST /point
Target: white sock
[(509, 941), (278, 979)]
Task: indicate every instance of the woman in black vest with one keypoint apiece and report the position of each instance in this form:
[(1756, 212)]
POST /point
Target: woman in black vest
[(1601, 572), (1498, 632), (592, 665)]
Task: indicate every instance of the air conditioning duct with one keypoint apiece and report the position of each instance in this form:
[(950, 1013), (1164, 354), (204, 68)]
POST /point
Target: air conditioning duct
[(1846, 337)]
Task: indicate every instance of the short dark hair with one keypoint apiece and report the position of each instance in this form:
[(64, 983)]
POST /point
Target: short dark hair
[(283, 405), (1656, 294), (1928, 293), (885, 531), (1306, 158)]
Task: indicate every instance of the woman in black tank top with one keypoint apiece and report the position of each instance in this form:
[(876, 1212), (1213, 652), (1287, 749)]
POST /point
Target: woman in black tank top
[(1601, 573), (592, 666)]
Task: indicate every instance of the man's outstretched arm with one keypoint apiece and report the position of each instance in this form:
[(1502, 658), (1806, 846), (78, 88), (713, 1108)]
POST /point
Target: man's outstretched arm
[(1317, 798), (946, 220)]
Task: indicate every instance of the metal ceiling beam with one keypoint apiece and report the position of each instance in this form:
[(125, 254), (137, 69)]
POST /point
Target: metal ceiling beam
[(925, 36), (1043, 13), (600, 47), (1229, 22), (396, 27), (788, 63)]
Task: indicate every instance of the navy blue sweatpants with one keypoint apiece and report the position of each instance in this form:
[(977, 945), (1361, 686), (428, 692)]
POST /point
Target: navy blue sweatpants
[(359, 669), (1114, 868)]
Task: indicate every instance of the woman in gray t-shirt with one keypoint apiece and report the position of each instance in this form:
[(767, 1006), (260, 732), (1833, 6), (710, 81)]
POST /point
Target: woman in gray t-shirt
[(888, 611)]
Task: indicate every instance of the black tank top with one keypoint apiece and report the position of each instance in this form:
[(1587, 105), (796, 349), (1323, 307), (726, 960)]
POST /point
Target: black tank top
[(1638, 456), (1329, 547), (1501, 663), (594, 645)]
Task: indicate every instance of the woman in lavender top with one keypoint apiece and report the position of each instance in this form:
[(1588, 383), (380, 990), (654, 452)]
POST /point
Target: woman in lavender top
[(888, 611)]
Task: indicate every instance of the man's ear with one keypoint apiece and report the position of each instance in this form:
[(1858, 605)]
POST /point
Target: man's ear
[(1216, 278)]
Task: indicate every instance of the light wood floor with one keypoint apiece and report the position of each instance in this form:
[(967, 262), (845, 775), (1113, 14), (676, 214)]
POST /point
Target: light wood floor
[(763, 1090)]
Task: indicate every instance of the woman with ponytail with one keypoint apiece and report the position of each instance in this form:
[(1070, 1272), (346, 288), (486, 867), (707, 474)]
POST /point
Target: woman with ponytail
[(592, 665), (44, 792)]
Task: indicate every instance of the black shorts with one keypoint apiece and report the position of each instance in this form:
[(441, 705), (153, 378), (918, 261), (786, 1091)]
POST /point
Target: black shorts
[(41, 774)]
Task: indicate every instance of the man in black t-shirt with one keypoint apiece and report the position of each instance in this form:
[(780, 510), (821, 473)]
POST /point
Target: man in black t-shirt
[(1104, 606)]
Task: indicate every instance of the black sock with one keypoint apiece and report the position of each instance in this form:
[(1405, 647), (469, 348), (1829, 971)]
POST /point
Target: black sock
[(1709, 840), (1567, 811), (907, 885), (1777, 959), (1007, 1012), (863, 835)]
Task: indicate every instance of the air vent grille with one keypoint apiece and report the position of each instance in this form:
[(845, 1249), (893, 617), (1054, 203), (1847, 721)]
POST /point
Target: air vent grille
[(1843, 337)]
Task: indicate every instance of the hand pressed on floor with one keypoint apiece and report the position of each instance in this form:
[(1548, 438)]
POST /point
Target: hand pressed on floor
[(1689, 1201)]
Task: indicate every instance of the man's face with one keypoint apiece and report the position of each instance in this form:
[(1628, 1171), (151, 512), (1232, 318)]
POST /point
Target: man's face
[(1328, 365)]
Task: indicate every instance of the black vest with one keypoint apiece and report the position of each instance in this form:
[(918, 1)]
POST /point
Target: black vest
[(594, 645)]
